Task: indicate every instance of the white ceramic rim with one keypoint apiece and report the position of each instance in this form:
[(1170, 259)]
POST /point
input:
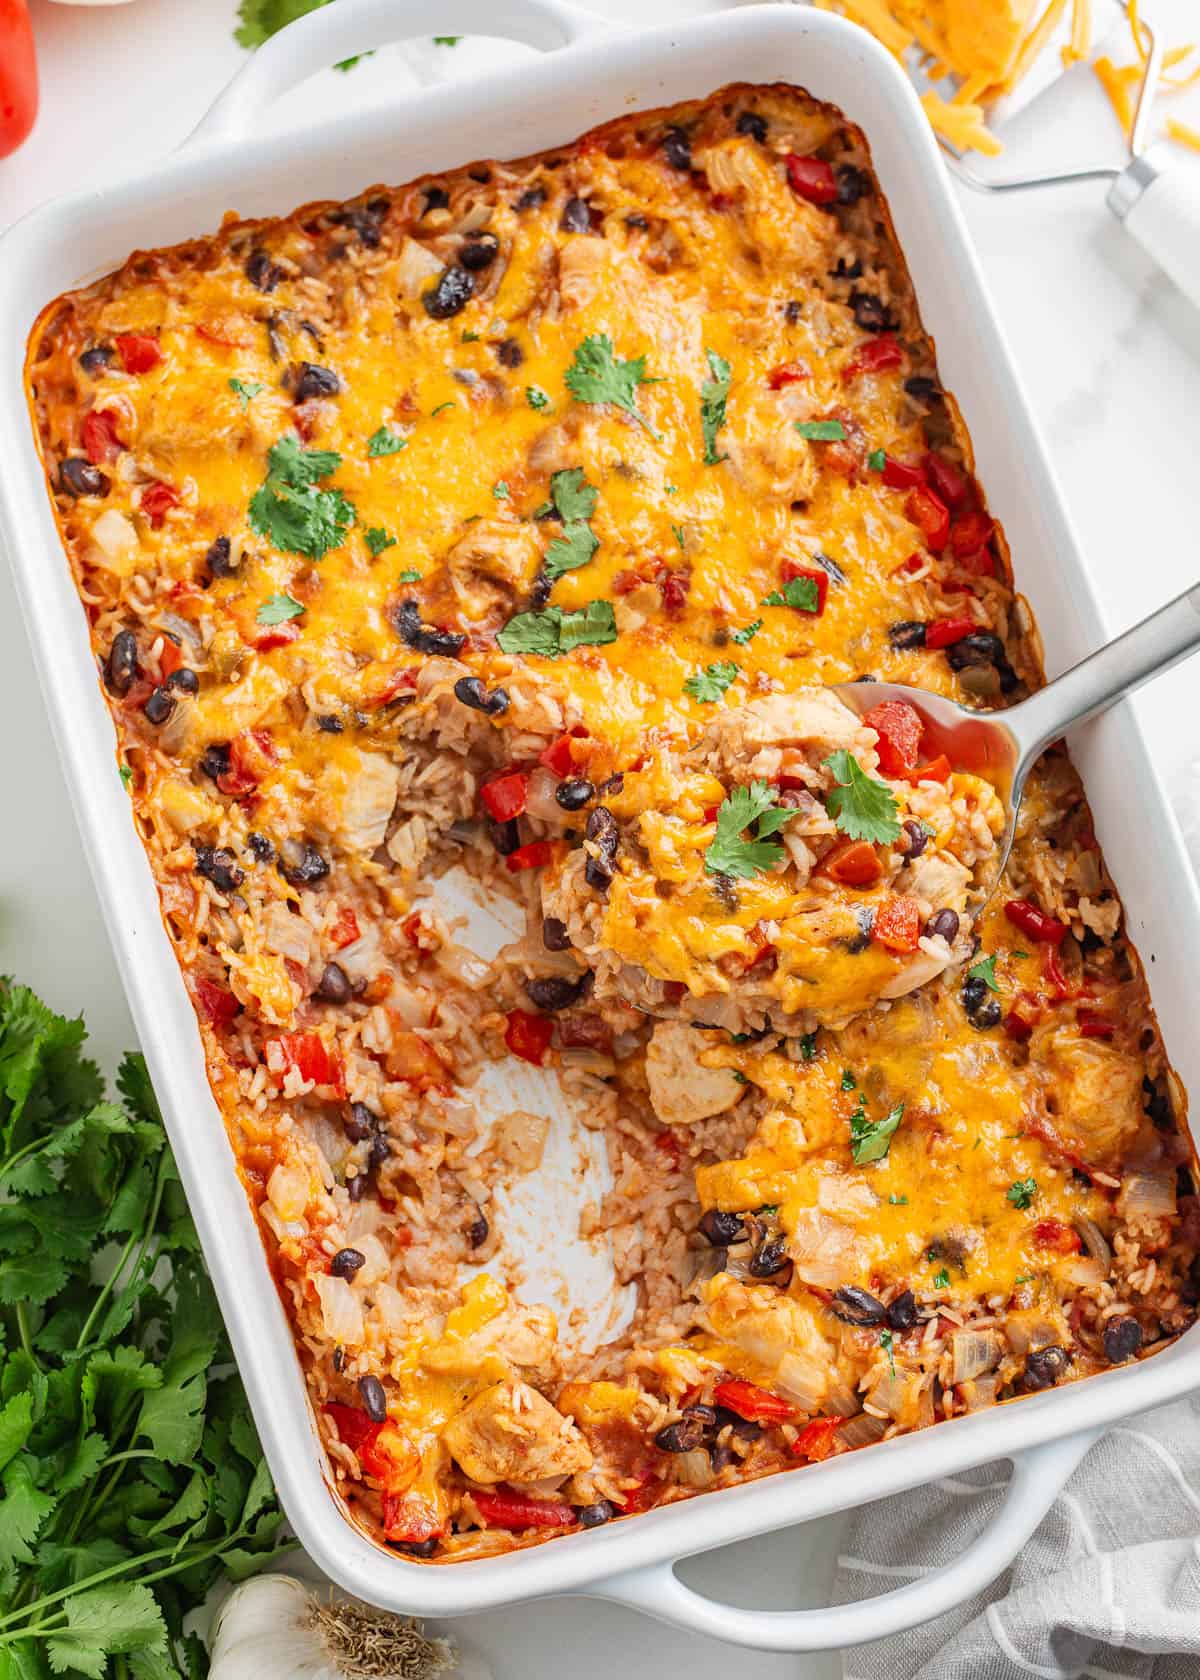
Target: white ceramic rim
[(587, 81)]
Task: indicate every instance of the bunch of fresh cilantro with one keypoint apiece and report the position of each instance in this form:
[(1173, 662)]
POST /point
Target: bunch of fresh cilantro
[(132, 1475)]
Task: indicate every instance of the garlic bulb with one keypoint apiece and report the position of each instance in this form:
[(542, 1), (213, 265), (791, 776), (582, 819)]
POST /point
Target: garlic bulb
[(277, 1626)]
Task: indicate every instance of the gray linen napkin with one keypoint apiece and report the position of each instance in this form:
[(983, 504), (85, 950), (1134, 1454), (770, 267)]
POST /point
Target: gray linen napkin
[(1108, 1587)]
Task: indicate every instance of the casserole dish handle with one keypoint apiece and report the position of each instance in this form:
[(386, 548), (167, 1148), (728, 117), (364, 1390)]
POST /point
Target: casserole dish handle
[(1038, 1477), (332, 33)]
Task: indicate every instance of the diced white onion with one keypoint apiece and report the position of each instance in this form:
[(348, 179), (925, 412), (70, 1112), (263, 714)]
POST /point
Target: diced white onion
[(341, 1312), (801, 1380), (694, 1468), (116, 542), (287, 1190), (975, 1352), (1147, 1196)]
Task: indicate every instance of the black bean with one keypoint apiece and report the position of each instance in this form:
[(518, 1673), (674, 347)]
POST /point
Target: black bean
[(848, 271), (684, 1436), (478, 1229), (828, 564), (917, 835), (944, 925), (539, 592), (121, 666), (793, 311), (677, 149), (334, 984), (215, 761), (855, 1306), (908, 633), (554, 992), (330, 725), (576, 216), (497, 702), (574, 794), (479, 252), (379, 1151), (301, 863), (744, 1428), (923, 388), (365, 220), (436, 198), (725, 889), (852, 184), (554, 934), (870, 313), (339, 1359), (603, 831), (1044, 1367), (638, 221), (159, 706), (981, 1006), (598, 874), (346, 1262), (263, 274), (595, 1516), (454, 290), (218, 865), (80, 478), (96, 358), (531, 199), (1122, 1339), (769, 1257), (902, 1313), (314, 380), (505, 836), (184, 680), (471, 692), (360, 1123), (260, 846), (356, 1187), (981, 647), (406, 621), (749, 122), (510, 353), (374, 1398), (217, 560), (721, 1229), (416, 1548)]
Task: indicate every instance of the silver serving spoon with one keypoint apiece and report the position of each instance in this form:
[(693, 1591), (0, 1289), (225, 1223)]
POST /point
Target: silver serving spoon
[(1003, 746)]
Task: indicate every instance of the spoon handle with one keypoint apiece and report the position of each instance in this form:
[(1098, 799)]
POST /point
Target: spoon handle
[(1096, 683)]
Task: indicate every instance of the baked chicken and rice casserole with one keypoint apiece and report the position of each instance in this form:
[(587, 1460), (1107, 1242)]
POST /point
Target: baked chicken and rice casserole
[(516, 522)]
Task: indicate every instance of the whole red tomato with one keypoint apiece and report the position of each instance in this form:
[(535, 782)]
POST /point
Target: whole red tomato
[(18, 75)]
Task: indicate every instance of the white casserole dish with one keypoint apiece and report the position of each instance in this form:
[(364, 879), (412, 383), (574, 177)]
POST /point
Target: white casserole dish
[(596, 76)]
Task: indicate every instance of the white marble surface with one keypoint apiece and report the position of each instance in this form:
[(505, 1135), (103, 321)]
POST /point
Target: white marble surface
[(1110, 354)]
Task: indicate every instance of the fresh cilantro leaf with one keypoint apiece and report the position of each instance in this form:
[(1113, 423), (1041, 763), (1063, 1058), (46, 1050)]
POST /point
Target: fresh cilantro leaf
[(714, 394), (469, 337), (849, 1083), (536, 397), (876, 460), (16, 1422), (112, 1620), (808, 1046), (125, 771), (821, 431), (751, 809), (246, 389), (349, 63), (886, 1340), (23, 1510), (377, 539), (747, 633), (671, 489), (260, 19), (598, 375), (410, 576), (386, 442), (572, 495), (870, 1140), (434, 412), (941, 1278), (574, 500), (1021, 1192), (985, 970), (446, 40), (898, 1201), (501, 491), (278, 609), (570, 551), (1023, 1277), (862, 808), (711, 683), (553, 632), (800, 592), (677, 533), (289, 510)]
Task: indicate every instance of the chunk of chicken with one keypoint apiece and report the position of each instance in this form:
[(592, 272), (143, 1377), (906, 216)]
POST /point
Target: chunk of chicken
[(812, 719), (766, 454), (770, 1328), (509, 1433), (356, 799), (581, 263), (523, 1338), (494, 563), (682, 1090), (939, 878), (1099, 1096)]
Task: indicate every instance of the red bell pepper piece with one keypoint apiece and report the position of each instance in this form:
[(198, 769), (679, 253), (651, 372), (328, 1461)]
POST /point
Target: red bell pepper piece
[(790, 570), (937, 770), (409, 1519), (308, 1054), (756, 1405), (930, 515), (217, 1005), (268, 636), (504, 798), (345, 929), (170, 658), (897, 926), (787, 373), (1024, 914), (535, 854), (156, 502), (1052, 973), (667, 1144), (561, 755), (900, 475), (1094, 1026), (354, 1427), (1022, 1017), (1052, 1233), (899, 728), (811, 178), (970, 532), (139, 352), (877, 355), (514, 1511), (945, 631), (852, 863), (528, 1036), (101, 436), (817, 1439), (951, 483)]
